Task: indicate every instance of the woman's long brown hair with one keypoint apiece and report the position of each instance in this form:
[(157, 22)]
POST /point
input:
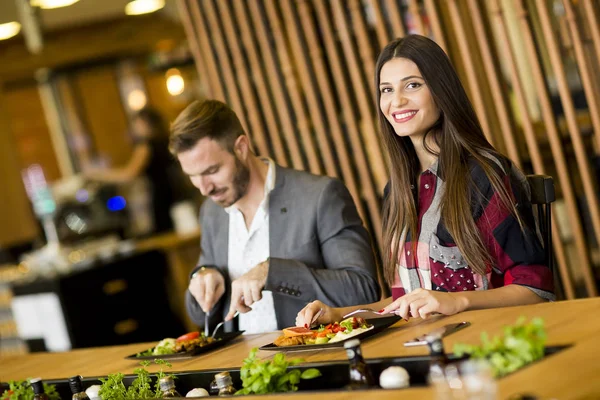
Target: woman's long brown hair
[(459, 137)]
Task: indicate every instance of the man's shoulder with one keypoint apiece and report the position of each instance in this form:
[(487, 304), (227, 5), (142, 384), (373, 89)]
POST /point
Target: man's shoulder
[(304, 178)]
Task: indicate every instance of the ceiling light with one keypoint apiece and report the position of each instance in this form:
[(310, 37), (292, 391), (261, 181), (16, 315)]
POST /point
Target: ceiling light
[(175, 82), (136, 100), (9, 30), (138, 7), (48, 4)]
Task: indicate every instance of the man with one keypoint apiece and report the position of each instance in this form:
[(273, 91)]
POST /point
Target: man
[(273, 239)]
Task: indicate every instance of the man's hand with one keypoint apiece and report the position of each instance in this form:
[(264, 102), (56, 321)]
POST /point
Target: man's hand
[(247, 289), (207, 287)]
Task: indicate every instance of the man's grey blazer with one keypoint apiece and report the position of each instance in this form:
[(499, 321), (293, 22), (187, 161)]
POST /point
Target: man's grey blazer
[(319, 249)]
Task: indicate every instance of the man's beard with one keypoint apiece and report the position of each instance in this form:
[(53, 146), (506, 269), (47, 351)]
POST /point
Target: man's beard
[(239, 185)]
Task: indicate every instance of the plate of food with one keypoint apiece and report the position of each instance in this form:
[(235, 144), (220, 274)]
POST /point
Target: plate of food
[(185, 346), (330, 335)]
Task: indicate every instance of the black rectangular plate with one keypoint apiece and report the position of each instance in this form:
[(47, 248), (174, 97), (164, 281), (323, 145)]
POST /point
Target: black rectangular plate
[(224, 338), (379, 324)]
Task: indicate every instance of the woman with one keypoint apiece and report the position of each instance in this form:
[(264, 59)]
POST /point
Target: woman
[(466, 205), (150, 158)]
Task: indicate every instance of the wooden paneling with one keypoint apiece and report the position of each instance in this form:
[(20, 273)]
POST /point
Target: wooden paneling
[(104, 116), (310, 57), (17, 223), (29, 129)]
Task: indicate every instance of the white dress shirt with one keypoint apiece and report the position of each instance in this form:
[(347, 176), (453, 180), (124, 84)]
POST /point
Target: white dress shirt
[(246, 249)]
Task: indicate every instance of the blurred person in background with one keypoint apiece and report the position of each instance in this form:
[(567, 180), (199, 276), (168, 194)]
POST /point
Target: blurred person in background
[(150, 158)]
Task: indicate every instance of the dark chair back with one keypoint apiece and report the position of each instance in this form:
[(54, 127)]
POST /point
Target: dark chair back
[(542, 196)]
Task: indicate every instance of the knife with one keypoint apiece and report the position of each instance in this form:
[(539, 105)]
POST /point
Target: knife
[(442, 331), (206, 331)]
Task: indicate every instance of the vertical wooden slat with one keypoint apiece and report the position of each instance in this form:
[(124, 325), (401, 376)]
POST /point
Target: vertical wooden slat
[(395, 18), (287, 68), (494, 80), (256, 132), (586, 75), (592, 18), (469, 65), (289, 132), (316, 55), (367, 127), (185, 11), (305, 72), (532, 144), (415, 10), (383, 36), (364, 44), (216, 38), (556, 147), (436, 23), (260, 84), (361, 162), (569, 109), (216, 83)]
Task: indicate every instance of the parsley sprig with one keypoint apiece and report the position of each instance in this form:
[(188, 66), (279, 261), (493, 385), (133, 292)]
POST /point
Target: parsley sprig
[(113, 387), (262, 377), (521, 344), (21, 390)]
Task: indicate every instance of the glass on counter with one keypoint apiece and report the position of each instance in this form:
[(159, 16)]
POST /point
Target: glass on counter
[(467, 380)]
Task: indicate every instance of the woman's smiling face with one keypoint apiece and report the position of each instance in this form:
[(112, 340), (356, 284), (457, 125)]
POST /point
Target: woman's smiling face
[(405, 99)]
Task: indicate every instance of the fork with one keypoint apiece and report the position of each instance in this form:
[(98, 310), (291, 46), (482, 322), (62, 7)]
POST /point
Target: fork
[(220, 324), (368, 310)]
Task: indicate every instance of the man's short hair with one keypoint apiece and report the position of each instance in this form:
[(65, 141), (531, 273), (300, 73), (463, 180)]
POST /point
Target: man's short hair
[(209, 118)]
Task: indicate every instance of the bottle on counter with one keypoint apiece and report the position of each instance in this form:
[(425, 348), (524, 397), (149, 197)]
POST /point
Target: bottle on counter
[(225, 384), (213, 390), (167, 387), (38, 389), (360, 375), (77, 388)]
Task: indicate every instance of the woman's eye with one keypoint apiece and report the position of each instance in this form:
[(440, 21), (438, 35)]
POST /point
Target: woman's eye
[(386, 90), (413, 85)]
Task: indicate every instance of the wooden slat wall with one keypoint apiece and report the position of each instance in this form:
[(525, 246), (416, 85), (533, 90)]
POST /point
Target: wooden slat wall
[(300, 75)]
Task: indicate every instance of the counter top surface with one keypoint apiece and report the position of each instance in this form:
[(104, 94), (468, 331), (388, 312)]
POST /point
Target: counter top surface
[(574, 373)]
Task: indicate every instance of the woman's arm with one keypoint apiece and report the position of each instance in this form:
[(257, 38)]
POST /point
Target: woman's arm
[(423, 303), (135, 166)]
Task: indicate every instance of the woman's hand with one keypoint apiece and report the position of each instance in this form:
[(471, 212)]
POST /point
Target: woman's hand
[(325, 313), (423, 303)]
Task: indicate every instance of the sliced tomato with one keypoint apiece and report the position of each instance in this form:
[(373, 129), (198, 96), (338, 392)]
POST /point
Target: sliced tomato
[(188, 336)]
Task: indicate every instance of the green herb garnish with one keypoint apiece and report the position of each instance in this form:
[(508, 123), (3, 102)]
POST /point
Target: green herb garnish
[(347, 324), (261, 377), (141, 388), (21, 390), (520, 345)]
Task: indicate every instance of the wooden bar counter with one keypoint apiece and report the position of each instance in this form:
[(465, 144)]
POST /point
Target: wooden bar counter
[(573, 373)]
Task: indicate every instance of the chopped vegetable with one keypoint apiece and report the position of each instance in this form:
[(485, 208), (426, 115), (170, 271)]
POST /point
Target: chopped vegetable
[(188, 336), (165, 346), (520, 345), (262, 377)]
